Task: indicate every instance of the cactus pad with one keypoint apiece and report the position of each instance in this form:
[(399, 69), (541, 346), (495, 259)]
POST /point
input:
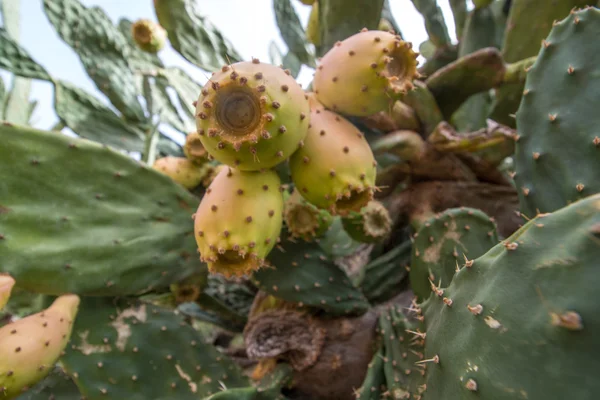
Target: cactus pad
[(361, 75), (521, 321), (558, 152), (252, 115), (77, 217), (239, 220), (447, 242), (126, 349)]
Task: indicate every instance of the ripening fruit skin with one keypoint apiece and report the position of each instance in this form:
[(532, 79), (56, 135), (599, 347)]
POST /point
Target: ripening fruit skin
[(335, 168), (252, 115), (371, 224), (6, 284), (303, 219), (148, 35), (239, 220), (30, 347), (194, 150), (365, 73), (181, 170)]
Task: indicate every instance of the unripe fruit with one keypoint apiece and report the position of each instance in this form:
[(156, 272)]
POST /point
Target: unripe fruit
[(313, 29), (370, 225), (30, 347), (194, 150), (239, 221), (6, 284), (303, 219), (365, 73), (251, 115), (335, 168), (148, 35), (181, 170)]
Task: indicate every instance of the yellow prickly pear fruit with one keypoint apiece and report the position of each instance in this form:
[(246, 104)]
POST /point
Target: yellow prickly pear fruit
[(6, 284), (313, 29), (335, 168), (252, 115), (303, 219), (181, 170), (370, 225), (365, 73), (194, 150), (239, 220), (30, 347), (148, 35)]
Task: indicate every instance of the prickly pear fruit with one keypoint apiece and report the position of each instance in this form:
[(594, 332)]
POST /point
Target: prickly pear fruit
[(148, 35), (252, 115), (335, 168), (6, 284), (30, 347), (303, 219), (211, 173), (363, 74), (239, 220), (181, 170), (194, 150), (371, 224)]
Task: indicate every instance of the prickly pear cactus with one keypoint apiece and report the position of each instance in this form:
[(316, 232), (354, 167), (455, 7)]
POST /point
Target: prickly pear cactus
[(511, 320), (377, 66), (30, 346), (558, 118), (252, 115), (335, 168), (239, 220)]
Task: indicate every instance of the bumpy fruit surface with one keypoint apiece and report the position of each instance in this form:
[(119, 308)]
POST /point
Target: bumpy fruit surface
[(239, 220), (371, 224), (30, 347), (6, 284), (181, 170), (303, 219), (194, 150), (252, 115), (148, 35), (365, 73), (335, 169)]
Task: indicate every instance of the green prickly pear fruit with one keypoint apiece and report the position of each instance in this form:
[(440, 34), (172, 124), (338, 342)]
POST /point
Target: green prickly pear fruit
[(239, 220), (370, 225), (313, 29), (6, 284), (303, 219), (194, 150), (30, 347), (252, 115), (148, 35), (365, 73), (335, 168), (181, 170)]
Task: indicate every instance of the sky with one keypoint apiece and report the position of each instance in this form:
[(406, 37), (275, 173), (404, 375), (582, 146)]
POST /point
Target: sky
[(249, 24)]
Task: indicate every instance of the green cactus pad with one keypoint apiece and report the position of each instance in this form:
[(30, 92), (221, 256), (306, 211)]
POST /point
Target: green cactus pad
[(291, 30), (252, 115), (102, 49), (239, 220), (335, 169), (15, 59), (374, 383), (77, 217), (57, 385), (523, 320), (193, 36), (377, 67), (447, 242), (557, 159), (126, 349), (268, 388), (435, 24), (301, 273), (383, 277), (421, 100)]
